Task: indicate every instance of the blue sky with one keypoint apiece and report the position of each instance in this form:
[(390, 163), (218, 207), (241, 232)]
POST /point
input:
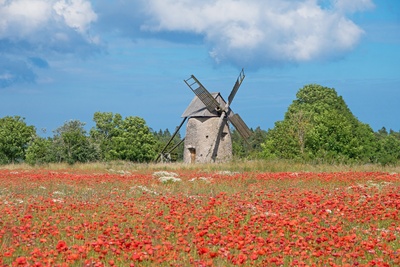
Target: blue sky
[(67, 59)]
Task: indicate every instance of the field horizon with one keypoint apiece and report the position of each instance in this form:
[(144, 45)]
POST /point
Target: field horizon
[(235, 165)]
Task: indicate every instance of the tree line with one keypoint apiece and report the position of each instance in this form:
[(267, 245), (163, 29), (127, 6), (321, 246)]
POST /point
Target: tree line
[(317, 127)]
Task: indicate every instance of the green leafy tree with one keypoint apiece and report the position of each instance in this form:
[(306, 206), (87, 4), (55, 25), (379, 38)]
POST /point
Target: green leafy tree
[(381, 133), (71, 144), (40, 151), (394, 133), (388, 152), (239, 147), (107, 127), (123, 139), (15, 136), (281, 142), (319, 125), (250, 149), (134, 141)]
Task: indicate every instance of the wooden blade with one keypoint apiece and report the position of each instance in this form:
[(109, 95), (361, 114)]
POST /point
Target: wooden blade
[(202, 93), (240, 126), (178, 144), (170, 140), (236, 86)]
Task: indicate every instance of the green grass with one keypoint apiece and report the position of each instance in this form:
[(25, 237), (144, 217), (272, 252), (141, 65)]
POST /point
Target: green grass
[(236, 165)]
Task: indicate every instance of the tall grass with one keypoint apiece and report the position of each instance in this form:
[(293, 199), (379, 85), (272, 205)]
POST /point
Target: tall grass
[(236, 165)]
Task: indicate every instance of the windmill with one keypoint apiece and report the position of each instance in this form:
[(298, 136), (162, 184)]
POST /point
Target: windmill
[(208, 137)]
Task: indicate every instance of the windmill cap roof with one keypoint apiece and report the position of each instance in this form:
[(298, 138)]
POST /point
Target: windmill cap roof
[(197, 108)]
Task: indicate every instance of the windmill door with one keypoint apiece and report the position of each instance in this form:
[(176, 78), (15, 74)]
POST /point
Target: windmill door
[(192, 151)]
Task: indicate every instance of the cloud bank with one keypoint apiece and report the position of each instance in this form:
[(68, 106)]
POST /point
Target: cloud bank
[(262, 33), (38, 28), (249, 33), (45, 22)]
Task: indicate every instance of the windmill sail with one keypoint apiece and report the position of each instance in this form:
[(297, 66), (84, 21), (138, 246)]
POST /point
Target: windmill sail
[(202, 93), (240, 126), (236, 86)]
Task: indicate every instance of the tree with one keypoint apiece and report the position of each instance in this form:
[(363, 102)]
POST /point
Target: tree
[(123, 139), (107, 127), (134, 141), (388, 152), (250, 149), (301, 125), (40, 151), (381, 133), (319, 125), (71, 144), (239, 146), (280, 142), (15, 135)]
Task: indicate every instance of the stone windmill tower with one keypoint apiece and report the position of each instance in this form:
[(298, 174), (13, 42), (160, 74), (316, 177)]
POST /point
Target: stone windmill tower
[(208, 136)]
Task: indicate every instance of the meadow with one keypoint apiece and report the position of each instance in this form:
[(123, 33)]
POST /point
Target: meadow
[(244, 213)]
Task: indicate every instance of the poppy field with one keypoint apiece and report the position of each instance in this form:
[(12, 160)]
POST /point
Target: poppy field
[(198, 218)]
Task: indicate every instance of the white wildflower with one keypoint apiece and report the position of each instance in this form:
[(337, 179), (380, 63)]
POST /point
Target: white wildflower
[(206, 179), (267, 213), (166, 179), (122, 172), (144, 189), (203, 179), (164, 174), (363, 198)]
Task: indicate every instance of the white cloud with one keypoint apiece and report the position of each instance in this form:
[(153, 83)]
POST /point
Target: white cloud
[(20, 18), (24, 19), (249, 33), (262, 31), (77, 14), (37, 29)]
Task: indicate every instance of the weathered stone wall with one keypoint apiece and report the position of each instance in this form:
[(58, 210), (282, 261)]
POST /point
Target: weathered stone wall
[(200, 137)]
